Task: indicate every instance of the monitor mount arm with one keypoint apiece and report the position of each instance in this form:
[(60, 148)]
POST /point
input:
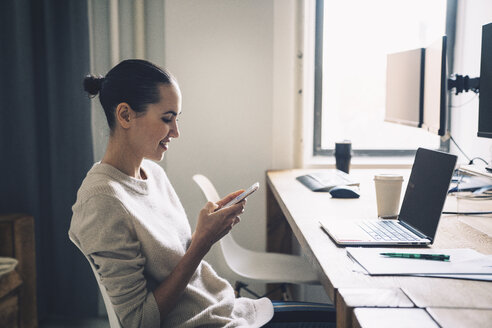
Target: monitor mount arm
[(464, 84)]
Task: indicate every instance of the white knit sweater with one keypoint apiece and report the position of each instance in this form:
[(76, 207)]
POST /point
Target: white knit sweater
[(135, 232)]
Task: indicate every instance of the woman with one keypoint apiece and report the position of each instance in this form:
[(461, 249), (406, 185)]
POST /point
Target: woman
[(130, 223)]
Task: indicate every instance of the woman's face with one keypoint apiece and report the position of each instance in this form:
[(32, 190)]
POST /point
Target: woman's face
[(154, 130)]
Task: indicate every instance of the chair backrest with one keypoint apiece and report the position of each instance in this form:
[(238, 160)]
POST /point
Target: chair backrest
[(113, 319), (207, 188)]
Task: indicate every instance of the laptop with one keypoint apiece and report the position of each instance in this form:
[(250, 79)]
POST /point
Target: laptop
[(420, 211)]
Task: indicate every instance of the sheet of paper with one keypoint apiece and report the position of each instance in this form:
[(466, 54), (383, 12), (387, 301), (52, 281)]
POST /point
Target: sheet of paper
[(484, 277), (463, 261)]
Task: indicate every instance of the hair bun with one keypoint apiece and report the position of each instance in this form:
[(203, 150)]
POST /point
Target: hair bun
[(92, 84)]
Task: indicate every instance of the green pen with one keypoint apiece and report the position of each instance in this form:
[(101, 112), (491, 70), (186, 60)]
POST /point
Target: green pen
[(434, 257)]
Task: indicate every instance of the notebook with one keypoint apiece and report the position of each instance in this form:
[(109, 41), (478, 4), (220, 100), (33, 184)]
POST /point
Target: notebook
[(420, 211)]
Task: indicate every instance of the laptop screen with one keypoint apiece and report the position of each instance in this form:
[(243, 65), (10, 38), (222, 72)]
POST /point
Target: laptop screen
[(427, 190)]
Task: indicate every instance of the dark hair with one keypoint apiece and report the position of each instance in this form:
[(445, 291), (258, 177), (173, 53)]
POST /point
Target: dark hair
[(132, 81)]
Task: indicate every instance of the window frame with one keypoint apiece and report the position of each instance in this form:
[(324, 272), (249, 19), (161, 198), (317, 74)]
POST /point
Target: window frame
[(450, 30)]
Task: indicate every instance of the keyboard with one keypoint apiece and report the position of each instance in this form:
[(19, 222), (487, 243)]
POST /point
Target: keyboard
[(326, 179), (334, 177), (387, 231)]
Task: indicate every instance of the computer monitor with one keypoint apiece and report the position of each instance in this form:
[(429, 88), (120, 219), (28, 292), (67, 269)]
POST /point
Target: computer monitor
[(485, 103), (435, 88), (404, 93)]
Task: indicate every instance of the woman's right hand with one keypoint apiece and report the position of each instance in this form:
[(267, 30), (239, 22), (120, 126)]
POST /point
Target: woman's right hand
[(214, 222)]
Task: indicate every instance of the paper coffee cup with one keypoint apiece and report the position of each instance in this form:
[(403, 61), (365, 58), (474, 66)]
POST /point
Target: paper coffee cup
[(388, 190)]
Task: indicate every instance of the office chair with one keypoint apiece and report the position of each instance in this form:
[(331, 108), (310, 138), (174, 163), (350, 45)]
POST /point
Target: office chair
[(113, 319), (257, 267)]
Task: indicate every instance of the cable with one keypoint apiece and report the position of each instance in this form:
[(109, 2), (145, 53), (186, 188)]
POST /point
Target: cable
[(467, 213), (470, 161), (461, 150), (466, 102), (480, 158)]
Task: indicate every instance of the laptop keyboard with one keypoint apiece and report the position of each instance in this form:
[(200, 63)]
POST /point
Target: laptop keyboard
[(387, 231)]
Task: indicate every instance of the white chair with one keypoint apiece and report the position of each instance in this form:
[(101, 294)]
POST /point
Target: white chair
[(113, 319), (257, 267)]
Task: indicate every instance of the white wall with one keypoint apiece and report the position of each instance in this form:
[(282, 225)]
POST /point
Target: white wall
[(472, 14), (235, 70)]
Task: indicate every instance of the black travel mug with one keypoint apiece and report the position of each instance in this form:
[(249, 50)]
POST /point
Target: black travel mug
[(343, 154)]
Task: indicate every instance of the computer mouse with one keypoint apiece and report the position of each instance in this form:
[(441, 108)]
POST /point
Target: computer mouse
[(344, 192)]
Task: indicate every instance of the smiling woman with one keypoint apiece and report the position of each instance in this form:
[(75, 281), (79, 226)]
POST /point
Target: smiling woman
[(129, 221)]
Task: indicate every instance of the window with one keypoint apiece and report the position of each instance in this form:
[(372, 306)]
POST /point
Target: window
[(353, 38)]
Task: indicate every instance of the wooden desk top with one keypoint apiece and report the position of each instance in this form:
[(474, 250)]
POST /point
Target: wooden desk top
[(304, 209)]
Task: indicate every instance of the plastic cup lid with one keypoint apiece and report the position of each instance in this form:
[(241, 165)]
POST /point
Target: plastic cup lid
[(388, 177)]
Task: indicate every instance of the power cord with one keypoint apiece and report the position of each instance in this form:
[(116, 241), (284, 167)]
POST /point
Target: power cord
[(466, 213), (470, 161), (466, 102), (480, 158), (457, 146)]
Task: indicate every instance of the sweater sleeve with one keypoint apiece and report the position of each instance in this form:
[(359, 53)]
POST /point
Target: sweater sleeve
[(105, 232)]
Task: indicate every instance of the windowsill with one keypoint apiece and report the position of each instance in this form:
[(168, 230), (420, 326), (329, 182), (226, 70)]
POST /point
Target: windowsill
[(364, 162)]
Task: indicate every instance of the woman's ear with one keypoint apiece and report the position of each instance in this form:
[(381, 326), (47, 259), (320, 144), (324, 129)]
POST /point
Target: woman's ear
[(124, 114)]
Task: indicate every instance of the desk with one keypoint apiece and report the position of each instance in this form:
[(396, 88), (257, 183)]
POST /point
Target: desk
[(291, 205)]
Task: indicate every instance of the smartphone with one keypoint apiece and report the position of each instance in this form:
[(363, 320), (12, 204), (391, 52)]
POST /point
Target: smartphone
[(245, 194)]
